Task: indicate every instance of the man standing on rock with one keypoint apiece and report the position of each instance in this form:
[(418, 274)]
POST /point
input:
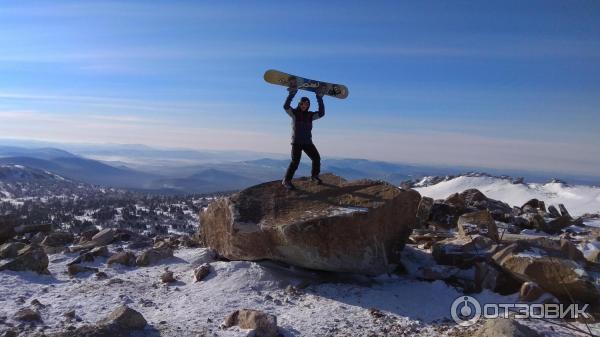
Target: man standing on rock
[(302, 120)]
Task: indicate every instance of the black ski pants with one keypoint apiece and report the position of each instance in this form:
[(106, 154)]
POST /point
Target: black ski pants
[(311, 151)]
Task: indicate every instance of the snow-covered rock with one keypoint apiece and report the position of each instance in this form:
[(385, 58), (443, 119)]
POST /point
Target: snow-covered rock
[(578, 199)]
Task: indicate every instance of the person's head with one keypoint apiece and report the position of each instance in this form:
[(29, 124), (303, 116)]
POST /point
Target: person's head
[(304, 104)]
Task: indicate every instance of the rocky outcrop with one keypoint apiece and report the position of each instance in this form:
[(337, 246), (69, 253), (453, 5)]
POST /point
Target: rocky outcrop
[(359, 226)]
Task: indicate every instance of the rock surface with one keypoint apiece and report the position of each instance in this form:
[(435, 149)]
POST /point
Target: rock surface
[(359, 226)]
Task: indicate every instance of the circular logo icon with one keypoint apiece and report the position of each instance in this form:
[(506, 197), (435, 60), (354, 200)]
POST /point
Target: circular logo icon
[(465, 310)]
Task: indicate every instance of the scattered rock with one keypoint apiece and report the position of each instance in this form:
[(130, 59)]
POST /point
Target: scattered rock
[(101, 275), (535, 220), (262, 324), (125, 258), (424, 211), (104, 237), (153, 255), (31, 257), (36, 303), (100, 251), (463, 252), (560, 273), (201, 272), (502, 327), (167, 276), (563, 210), (483, 222), (340, 226), (444, 216), (125, 318), (553, 212), (455, 200), (530, 292), (83, 257), (70, 315), (489, 276), (75, 269), (11, 333), (10, 249), (555, 226), (58, 239), (533, 203), (376, 313), (28, 315), (88, 235)]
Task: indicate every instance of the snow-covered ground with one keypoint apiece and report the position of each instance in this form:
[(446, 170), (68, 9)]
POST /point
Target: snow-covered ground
[(187, 308), (578, 199)]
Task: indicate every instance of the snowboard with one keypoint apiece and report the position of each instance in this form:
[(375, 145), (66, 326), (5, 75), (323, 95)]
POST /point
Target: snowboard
[(287, 80)]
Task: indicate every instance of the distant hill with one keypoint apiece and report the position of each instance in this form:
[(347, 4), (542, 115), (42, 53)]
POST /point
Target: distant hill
[(82, 169), (40, 153), (183, 171)]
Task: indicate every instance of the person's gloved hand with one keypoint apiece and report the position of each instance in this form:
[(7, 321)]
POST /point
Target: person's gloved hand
[(320, 91), (292, 90)]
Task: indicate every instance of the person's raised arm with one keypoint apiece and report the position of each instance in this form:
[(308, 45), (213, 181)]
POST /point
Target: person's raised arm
[(321, 112), (286, 105)]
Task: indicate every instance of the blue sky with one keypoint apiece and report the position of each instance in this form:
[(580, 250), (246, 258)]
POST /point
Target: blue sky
[(499, 84)]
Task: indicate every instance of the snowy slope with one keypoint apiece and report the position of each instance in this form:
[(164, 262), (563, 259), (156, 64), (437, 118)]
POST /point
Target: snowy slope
[(578, 199), (191, 309)]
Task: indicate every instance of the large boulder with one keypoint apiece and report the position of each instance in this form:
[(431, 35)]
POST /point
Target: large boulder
[(359, 226), (557, 267)]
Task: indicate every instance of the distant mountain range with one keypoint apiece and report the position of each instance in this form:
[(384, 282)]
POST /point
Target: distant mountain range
[(189, 171)]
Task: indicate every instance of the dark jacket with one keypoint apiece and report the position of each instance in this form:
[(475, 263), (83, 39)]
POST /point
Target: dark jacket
[(302, 121)]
